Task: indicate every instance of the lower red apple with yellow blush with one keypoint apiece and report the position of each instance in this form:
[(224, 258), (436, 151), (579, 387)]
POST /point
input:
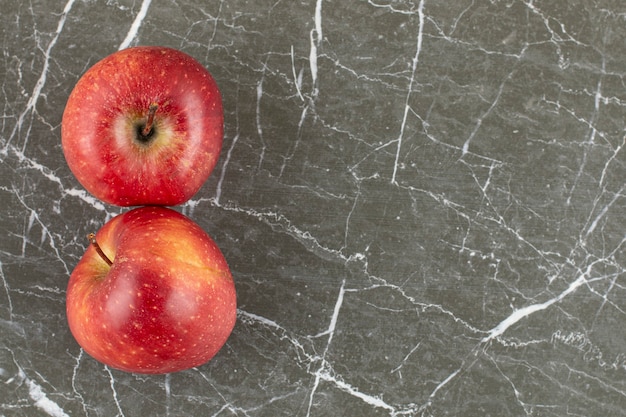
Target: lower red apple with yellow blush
[(152, 294)]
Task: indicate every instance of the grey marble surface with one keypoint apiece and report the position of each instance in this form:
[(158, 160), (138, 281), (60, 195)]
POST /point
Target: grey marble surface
[(422, 203)]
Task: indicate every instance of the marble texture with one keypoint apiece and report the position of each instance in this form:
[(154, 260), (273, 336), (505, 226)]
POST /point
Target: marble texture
[(422, 203)]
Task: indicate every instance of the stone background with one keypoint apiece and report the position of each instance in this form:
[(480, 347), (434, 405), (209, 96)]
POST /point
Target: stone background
[(422, 203)]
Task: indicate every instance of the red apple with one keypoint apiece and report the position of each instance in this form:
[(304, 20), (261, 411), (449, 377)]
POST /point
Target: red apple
[(152, 294), (143, 126)]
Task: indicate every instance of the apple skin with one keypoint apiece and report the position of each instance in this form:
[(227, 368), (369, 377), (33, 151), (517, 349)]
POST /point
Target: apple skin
[(107, 108), (167, 302)]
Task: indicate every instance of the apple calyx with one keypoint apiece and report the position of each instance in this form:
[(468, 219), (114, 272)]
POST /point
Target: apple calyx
[(146, 131), (94, 243)]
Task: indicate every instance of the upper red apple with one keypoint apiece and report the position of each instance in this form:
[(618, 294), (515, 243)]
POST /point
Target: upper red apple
[(152, 294), (143, 126)]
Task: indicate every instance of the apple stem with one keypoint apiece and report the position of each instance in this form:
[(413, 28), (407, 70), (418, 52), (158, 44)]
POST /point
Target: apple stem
[(148, 127), (92, 240)]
